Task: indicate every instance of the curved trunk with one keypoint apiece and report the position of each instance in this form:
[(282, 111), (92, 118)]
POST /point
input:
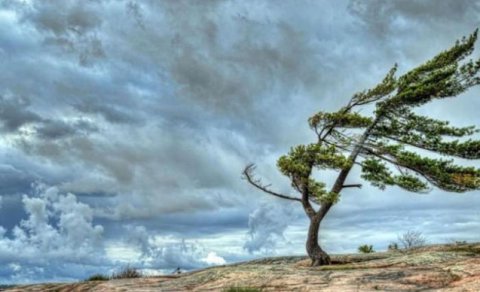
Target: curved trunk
[(315, 252)]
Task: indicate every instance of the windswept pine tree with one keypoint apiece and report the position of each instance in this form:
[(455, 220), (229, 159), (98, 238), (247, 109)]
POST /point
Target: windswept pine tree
[(385, 145)]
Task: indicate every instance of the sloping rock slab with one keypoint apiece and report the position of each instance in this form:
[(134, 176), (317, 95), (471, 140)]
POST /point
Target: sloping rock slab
[(433, 268)]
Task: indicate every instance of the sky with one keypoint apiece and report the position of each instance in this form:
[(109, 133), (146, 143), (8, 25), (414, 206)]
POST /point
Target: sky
[(125, 126)]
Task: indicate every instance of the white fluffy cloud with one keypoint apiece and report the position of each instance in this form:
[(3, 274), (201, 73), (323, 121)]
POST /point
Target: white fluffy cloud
[(267, 225), (58, 231), (59, 241), (168, 253), (213, 259)]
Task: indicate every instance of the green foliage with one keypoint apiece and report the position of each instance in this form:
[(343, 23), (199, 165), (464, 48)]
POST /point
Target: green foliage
[(426, 133), (410, 183), (446, 58), (442, 173), (440, 77), (98, 277), (376, 172), (412, 123), (379, 175), (397, 126), (393, 127), (330, 197), (366, 248), (300, 160), (384, 88), (339, 119)]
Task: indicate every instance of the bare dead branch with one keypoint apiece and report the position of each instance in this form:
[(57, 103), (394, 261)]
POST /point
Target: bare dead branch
[(412, 239), (248, 175)]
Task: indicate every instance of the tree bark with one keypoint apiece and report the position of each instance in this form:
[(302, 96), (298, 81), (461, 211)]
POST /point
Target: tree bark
[(318, 256)]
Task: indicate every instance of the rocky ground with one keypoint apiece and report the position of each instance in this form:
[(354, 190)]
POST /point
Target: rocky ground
[(453, 267)]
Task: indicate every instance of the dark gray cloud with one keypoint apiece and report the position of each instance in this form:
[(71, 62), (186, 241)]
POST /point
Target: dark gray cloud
[(385, 18), (73, 31), (111, 113), (147, 111), (51, 129), (14, 113)]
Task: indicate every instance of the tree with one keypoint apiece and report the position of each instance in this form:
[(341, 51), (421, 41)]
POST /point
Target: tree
[(384, 143), (411, 239)]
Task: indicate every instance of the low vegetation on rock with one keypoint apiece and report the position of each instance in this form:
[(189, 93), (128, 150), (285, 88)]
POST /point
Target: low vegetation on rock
[(366, 248), (98, 277), (126, 272)]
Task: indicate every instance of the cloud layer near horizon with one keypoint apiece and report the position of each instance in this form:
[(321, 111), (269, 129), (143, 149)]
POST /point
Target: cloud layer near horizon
[(140, 116)]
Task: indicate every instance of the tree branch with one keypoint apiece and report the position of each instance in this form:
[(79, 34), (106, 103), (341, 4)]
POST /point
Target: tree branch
[(248, 175), (306, 198), (352, 186), (398, 165)]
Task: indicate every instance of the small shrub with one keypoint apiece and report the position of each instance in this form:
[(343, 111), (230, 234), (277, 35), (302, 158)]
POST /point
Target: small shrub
[(365, 248), (393, 246), (127, 272), (412, 239), (98, 277)]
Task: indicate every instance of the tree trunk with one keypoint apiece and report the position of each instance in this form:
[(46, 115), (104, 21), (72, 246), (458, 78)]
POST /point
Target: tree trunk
[(315, 252), (318, 256)]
